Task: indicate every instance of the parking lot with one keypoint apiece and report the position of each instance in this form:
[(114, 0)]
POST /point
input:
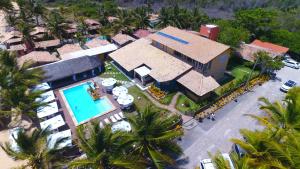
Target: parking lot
[(212, 136)]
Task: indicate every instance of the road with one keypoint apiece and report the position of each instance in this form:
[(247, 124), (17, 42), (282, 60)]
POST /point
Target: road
[(212, 136)]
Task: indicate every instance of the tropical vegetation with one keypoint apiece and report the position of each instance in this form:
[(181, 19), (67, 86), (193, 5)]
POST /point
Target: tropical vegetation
[(151, 143), (276, 146), (36, 150), (16, 82)]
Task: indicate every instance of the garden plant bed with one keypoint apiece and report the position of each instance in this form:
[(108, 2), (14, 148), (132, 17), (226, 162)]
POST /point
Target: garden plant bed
[(141, 101), (226, 98), (167, 99)]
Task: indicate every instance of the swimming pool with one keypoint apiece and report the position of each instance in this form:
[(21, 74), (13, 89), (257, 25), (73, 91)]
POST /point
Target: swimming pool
[(81, 105)]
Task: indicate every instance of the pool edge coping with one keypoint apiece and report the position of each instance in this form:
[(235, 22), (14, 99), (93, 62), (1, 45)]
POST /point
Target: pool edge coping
[(71, 113)]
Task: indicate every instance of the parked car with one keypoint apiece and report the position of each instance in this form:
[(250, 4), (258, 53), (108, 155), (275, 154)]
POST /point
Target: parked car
[(291, 63), (287, 85), (208, 163), (238, 150)]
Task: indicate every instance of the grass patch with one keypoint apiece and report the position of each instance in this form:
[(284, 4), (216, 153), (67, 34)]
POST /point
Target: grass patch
[(167, 99), (143, 101), (112, 71), (184, 104), (240, 71)]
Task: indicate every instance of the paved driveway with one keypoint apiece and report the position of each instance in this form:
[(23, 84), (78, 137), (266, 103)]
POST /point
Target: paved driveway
[(211, 136)]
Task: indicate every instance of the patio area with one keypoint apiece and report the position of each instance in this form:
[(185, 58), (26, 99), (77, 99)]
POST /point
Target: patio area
[(67, 115)]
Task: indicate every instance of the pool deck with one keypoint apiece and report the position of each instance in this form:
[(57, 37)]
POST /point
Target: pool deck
[(67, 115)]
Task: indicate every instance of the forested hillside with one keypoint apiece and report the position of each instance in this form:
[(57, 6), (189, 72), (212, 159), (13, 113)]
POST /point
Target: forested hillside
[(214, 8)]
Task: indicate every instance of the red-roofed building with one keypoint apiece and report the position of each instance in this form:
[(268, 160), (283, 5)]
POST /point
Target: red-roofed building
[(247, 51), (141, 33), (280, 50)]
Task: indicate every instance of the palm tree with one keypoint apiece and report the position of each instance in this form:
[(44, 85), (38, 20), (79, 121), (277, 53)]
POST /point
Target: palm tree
[(154, 137), (103, 149), (267, 63), (15, 83), (55, 24), (82, 31), (124, 22), (6, 5), (141, 17), (26, 28), (38, 10), (34, 148), (277, 146)]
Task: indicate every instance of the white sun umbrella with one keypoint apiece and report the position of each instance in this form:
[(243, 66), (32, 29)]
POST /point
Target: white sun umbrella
[(46, 97), (117, 91), (52, 138), (48, 110), (42, 86), (121, 126), (109, 83), (125, 100)]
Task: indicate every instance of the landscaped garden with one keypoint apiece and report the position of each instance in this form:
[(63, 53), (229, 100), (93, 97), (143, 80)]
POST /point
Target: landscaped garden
[(186, 105), (140, 100), (167, 99), (112, 71), (240, 71)]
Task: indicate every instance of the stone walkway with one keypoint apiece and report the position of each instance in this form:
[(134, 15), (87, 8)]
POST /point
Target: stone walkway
[(171, 107)]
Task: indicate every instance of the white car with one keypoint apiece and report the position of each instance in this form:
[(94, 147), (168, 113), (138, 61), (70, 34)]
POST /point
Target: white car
[(287, 85), (291, 63), (208, 163)]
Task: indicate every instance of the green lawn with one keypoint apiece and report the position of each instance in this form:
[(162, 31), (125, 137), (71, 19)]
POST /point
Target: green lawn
[(112, 71), (143, 101), (167, 99), (184, 104), (240, 71)]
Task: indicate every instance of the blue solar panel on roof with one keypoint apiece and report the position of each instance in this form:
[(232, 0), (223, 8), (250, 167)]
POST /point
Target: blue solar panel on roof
[(173, 38)]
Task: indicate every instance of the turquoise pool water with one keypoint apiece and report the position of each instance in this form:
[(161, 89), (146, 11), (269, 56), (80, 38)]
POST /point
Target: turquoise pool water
[(83, 106)]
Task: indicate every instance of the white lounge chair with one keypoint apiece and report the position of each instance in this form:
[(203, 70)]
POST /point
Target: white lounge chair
[(117, 117), (106, 121), (113, 119), (101, 125), (122, 115)]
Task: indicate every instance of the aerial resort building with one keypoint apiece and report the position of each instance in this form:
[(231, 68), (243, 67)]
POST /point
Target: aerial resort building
[(175, 59)]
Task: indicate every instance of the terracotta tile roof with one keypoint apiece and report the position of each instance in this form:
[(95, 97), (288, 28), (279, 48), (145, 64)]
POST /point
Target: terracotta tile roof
[(17, 47), (91, 22), (47, 43), (270, 46), (68, 48), (96, 42), (121, 39), (247, 51), (196, 47), (141, 33), (10, 35), (38, 30), (37, 57), (112, 19), (14, 40), (164, 67), (198, 83)]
